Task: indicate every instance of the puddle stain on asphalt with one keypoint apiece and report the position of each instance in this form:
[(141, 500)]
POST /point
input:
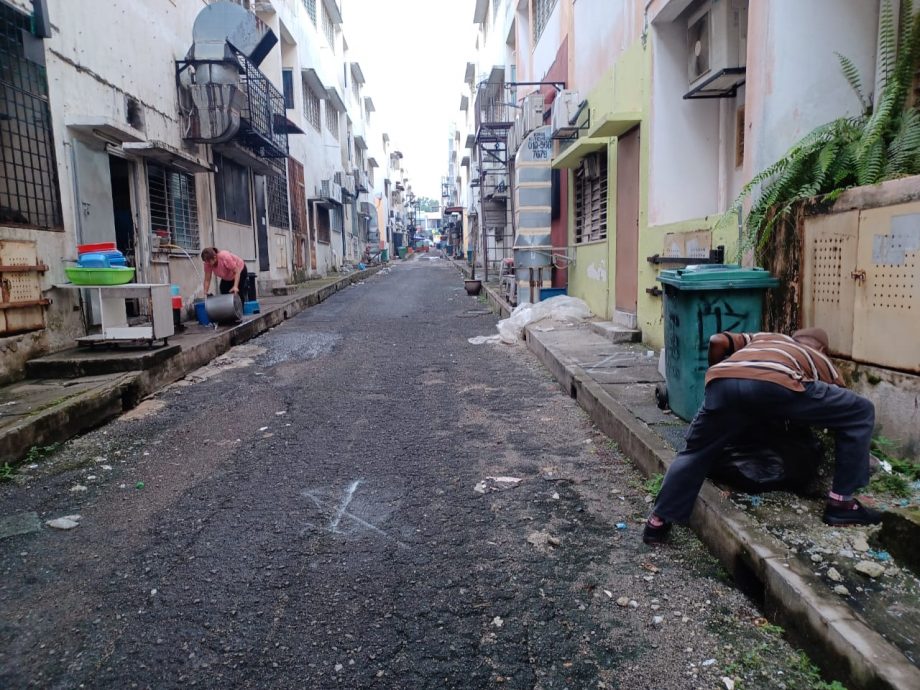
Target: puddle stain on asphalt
[(288, 347)]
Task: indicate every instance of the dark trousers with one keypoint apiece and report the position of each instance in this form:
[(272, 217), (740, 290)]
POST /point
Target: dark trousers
[(732, 406), (227, 285)]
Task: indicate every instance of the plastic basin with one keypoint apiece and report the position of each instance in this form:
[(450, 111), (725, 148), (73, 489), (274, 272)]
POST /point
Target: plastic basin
[(99, 276), (98, 247)]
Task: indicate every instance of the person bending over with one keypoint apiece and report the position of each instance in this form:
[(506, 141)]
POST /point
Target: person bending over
[(228, 267), (757, 377)]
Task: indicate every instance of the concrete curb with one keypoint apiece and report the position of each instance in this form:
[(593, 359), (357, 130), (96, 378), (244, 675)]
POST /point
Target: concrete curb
[(829, 630), (95, 407)]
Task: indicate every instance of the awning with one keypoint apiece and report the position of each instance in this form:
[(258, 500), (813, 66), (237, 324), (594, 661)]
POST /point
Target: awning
[(104, 129), (167, 155), (357, 73), (335, 99), (470, 141), (470, 74), (359, 141), (335, 14), (464, 102), (282, 125), (454, 209), (615, 124), (311, 77), (369, 105), (465, 162), (372, 162), (479, 13), (246, 158), (571, 157)]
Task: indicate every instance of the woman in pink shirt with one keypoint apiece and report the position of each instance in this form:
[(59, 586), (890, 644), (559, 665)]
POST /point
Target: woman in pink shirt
[(227, 266)]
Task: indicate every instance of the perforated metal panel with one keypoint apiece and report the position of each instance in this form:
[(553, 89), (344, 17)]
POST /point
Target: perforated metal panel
[(827, 286), (17, 287), (885, 327)]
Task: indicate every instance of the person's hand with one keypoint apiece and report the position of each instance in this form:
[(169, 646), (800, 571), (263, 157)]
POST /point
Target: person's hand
[(234, 291)]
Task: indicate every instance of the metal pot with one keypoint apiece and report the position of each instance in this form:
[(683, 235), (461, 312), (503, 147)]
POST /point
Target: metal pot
[(224, 308), (472, 286)]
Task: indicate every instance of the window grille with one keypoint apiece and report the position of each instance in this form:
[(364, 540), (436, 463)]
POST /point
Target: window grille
[(322, 225), (591, 200), (311, 109), (542, 9), (29, 193), (329, 29), (279, 215), (332, 120), (311, 9), (173, 205), (356, 90)]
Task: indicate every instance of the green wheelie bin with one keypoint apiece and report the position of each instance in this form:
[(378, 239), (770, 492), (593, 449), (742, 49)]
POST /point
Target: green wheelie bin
[(700, 301)]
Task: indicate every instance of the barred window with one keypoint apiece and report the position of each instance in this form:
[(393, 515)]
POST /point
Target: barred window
[(356, 90), (591, 199), (542, 9), (329, 29), (332, 120), (322, 224), (173, 205), (311, 107), (311, 9), (279, 215), (29, 193)]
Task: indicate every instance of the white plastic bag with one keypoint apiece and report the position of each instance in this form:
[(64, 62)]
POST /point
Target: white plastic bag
[(561, 308)]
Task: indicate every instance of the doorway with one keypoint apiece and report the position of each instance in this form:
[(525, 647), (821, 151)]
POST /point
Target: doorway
[(122, 208), (627, 233)]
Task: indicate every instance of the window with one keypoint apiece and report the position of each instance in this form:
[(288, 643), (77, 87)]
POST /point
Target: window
[(173, 205), (29, 193), (542, 9), (311, 9), (332, 120), (287, 81), (591, 199), (329, 29), (356, 90), (279, 215), (322, 224), (311, 107), (232, 183)]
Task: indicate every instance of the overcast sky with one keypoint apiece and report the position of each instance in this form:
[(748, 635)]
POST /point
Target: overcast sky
[(413, 54)]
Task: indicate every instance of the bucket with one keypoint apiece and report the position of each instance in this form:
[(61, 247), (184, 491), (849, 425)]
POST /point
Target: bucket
[(224, 308), (251, 307), (174, 290), (201, 313)]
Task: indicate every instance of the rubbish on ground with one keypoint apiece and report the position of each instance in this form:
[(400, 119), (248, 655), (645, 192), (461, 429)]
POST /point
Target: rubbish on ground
[(728, 683), (484, 339), (480, 488), (263, 428), (64, 523), (139, 485), (870, 569), (77, 488), (562, 308), (608, 593), (498, 621), (496, 484), (621, 525)]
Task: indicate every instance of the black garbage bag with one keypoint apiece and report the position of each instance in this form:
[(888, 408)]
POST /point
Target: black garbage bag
[(776, 456)]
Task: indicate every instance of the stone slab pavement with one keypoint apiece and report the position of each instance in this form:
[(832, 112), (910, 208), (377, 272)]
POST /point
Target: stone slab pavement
[(79, 389), (873, 645)]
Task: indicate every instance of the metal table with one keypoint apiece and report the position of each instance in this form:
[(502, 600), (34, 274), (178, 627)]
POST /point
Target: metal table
[(114, 316)]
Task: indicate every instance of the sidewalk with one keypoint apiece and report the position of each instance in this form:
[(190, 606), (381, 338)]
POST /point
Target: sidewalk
[(803, 574), (73, 391)]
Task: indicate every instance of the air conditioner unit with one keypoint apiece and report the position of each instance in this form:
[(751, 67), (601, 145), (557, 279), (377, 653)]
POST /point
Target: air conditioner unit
[(717, 46), (533, 113), (565, 110)]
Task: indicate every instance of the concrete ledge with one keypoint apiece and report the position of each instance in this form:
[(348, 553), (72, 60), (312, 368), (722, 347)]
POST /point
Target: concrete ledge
[(830, 631), (71, 364), (93, 408), (496, 302)]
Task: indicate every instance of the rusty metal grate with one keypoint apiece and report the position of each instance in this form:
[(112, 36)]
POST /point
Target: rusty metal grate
[(828, 268), (29, 193)]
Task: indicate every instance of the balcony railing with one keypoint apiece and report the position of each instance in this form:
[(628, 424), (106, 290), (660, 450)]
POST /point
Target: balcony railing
[(492, 107), (263, 118)]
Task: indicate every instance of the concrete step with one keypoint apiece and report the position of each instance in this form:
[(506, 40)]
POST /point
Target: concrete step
[(615, 333), (81, 361)]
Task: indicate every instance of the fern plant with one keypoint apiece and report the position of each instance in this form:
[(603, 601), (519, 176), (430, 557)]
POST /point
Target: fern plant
[(879, 144)]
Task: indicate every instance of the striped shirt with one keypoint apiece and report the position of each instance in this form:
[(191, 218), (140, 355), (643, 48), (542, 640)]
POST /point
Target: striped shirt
[(775, 358)]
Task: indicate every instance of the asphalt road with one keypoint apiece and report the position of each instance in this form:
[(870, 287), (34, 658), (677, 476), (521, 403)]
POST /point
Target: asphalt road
[(318, 509)]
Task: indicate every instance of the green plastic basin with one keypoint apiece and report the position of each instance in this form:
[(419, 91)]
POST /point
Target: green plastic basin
[(99, 276)]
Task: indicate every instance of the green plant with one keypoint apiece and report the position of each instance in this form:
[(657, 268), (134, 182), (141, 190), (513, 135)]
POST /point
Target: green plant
[(36, 453), (6, 472), (653, 484), (807, 668), (771, 629), (879, 144)]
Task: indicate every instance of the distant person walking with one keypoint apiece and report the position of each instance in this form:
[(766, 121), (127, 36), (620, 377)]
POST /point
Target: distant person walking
[(228, 267), (753, 378)]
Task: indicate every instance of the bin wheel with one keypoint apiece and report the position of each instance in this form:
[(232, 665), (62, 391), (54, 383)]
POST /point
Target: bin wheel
[(661, 396)]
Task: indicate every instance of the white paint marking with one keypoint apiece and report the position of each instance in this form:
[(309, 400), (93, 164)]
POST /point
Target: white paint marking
[(346, 499)]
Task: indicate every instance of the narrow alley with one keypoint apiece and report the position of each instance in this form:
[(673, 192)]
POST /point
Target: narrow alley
[(362, 499)]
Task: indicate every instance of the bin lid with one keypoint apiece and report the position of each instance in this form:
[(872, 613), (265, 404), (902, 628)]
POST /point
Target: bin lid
[(718, 277)]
